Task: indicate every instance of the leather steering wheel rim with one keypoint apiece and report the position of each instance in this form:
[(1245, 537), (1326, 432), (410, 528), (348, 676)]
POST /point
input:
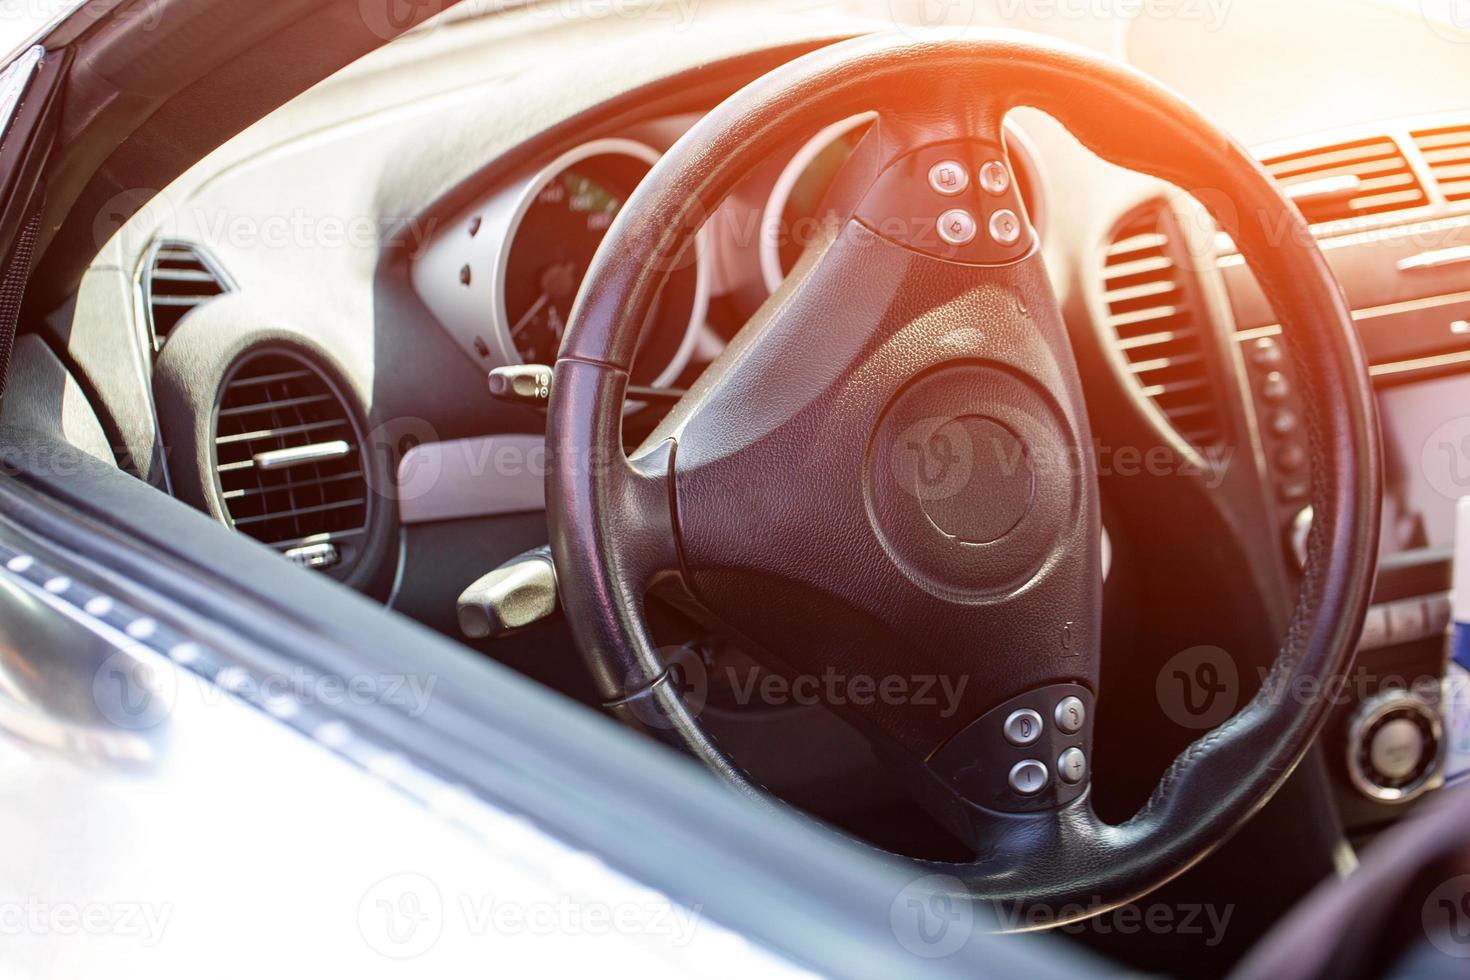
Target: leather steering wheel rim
[(620, 525)]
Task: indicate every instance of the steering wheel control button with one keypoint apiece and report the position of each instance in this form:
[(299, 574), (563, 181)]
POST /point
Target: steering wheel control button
[(1071, 715), (949, 177), (958, 201), (1005, 227), (957, 227), (1072, 766), (1028, 777), (1023, 727), (995, 178), (1030, 769)]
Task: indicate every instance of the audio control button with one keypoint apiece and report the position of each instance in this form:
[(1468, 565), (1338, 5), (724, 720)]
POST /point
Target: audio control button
[(1023, 727), (995, 178), (1005, 227), (949, 177), (1070, 714), (1028, 777), (1072, 766), (957, 226)]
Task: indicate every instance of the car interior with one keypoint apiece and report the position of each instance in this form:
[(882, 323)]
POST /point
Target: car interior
[(1026, 443)]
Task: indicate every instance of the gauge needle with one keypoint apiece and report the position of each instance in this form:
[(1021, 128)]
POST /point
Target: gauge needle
[(530, 314)]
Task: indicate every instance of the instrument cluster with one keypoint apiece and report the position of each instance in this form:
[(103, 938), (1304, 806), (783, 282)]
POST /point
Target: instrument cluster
[(503, 273)]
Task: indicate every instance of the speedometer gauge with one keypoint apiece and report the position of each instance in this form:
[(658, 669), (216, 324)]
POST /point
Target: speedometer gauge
[(564, 217), (554, 245)]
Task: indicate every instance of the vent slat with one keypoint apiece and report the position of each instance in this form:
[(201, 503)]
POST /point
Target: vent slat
[(274, 403), (161, 273), (1137, 267), (1174, 387), (286, 430), (1385, 182), (1149, 241), (277, 406), (296, 512), (1164, 363), (1147, 290), (1430, 140), (188, 302), (1447, 151), (1155, 339), (352, 532), (1455, 170), (1147, 315), (1154, 327), (243, 492), (266, 379), (177, 279)]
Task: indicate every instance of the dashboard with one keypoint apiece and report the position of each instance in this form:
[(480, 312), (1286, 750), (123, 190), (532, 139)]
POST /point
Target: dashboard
[(315, 306)]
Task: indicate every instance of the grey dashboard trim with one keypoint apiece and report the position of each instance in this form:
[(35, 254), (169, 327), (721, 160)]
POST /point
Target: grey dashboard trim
[(478, 240), (478, 477)]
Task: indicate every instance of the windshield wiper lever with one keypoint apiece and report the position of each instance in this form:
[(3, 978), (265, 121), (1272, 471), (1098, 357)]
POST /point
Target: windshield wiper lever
[(515, 595)]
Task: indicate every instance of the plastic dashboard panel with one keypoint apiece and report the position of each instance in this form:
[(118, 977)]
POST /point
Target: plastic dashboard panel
[(346, 297)]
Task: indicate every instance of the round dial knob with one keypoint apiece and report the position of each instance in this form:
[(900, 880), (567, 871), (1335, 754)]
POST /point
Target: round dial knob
[(1395, 744)]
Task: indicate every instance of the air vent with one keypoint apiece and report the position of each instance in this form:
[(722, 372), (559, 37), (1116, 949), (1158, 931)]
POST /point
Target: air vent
[(1349, 180), (289, 460), (176, 279), (1150, 313), (1447, 151)]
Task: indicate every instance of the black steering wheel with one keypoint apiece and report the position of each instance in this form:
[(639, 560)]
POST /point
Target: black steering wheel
[(890, 469)]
